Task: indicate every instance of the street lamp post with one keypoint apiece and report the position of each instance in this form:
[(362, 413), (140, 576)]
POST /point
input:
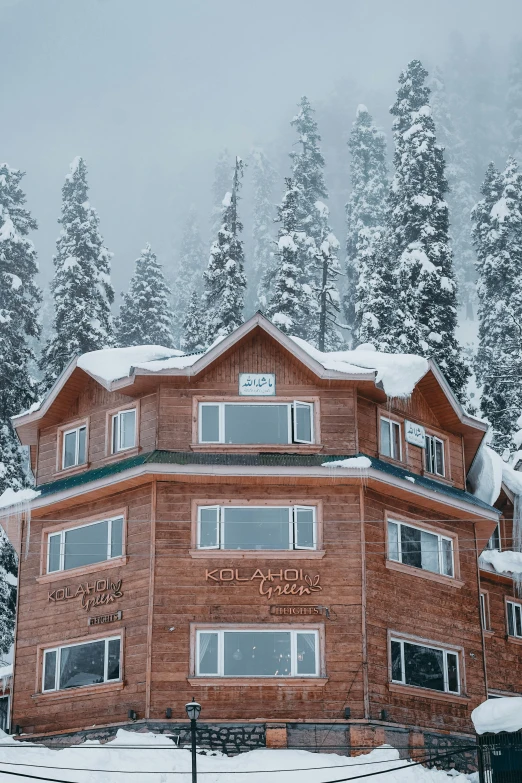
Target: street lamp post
[(193, 709)]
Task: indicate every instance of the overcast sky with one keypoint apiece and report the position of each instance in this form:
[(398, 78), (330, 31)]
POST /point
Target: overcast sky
[(150, 91)]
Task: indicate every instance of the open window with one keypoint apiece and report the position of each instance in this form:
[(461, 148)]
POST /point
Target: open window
[(74, 447), (391, 445), (256, 423), (258, 528), (123, 430), (514, 619), (434, 455)]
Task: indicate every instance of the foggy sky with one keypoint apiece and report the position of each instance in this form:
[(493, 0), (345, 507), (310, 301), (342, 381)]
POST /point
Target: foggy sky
[(150, 91)]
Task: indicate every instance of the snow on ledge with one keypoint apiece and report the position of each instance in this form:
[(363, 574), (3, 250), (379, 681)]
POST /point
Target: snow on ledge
[(399, 373), (507, 562), (350, 462), (13, 497), (486, 474), (496, 715)]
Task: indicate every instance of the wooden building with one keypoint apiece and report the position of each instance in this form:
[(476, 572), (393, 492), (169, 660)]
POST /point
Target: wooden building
[(194, 537)]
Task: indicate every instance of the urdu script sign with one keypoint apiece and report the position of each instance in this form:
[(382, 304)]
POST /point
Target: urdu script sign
[(415, 434), (257, 384)]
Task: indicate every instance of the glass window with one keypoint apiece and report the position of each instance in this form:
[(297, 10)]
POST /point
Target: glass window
[(256, 423), (80, 546), (74, 442), (123, 430), (390, 438), (420, 548), (77, 665), (257, 527), (434, 455), (494, 541), (253, 653), (514, 612), (4, 713), (425, 667)]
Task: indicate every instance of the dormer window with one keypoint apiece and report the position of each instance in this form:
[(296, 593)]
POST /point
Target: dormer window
[(256, 423), (434, 455), (74, 450), (390, 438), (123, 430)]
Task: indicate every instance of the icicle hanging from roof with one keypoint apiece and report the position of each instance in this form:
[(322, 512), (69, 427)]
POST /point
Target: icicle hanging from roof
[(517, 539)]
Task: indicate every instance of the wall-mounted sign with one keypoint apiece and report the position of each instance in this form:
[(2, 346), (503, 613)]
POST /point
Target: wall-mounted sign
[(101, 619), (99, 593), (292, 581), (256, 384), (293, 611), (415, 434)]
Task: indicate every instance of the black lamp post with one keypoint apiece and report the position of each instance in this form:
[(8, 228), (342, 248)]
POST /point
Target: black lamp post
[(193, 709)]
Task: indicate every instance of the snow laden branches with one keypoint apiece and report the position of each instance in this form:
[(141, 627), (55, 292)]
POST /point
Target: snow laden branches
[(497, 235), (81, 288), (224, 278), (188, 278), (365, 218), (263, 240), (145, 315)]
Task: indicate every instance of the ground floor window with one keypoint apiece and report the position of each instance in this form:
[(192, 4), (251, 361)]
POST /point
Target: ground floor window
[(514, 616), (235, 652), (77, 665), (425, 666), (4, 713)]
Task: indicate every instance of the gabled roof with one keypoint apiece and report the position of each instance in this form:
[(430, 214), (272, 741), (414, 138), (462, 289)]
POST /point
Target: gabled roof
[(393, 375)]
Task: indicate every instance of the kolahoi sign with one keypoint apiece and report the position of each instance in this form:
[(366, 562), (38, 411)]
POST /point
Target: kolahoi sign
[(415, 434), (99, 593), (256, 384), (287, 581)]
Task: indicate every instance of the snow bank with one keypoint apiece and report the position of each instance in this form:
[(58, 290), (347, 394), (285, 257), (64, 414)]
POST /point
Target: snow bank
[(485, 475), (110, 364), (398, 373), (496, 715), (153, 754), (503, 562), (512, 478), (13, 497), (351, 462)]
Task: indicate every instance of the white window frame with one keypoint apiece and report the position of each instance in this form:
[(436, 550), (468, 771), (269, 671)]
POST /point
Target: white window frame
[(8, 721), (430, 646), (293, 651), (440, 537), (431, 452), (292, 528), (77, 447), (58, 649), (61, 534), (484, 613), (292, 421), (117, 448), (514, 608), (392, 423), (490, 548)]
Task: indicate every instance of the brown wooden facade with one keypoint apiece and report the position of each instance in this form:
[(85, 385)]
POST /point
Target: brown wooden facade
[(165, 588)]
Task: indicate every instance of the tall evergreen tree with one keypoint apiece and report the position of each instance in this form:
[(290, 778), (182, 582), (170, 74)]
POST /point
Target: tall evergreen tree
[(263, 235), (194, 335), (418, 225), (145, 314), (19, 304), (287, 308), (497, 234), (189, 273), (225, 280), (81, 287), (461, 193), (365, 212), (328, 335), (514, 102), (222, 176)]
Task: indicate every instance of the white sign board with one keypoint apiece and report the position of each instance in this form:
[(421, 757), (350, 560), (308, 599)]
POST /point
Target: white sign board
[(256, 384), (415, 434)]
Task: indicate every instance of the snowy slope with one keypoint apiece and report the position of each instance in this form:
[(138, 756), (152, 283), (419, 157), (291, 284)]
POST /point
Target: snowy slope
[(149, 758)]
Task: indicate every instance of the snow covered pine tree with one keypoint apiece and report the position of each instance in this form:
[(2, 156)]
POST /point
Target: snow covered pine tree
[(220, 185), (81, 287), (19, 304), (365, 217), (224, 277), (189, 273), (145, 315), (497, 234), (263, 234), (418, 225), (194, 337)]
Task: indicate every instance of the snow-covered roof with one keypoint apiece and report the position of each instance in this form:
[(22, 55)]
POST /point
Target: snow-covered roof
[(111, 364), (507, 562), (12, 497), (496, 715), (489, 473)]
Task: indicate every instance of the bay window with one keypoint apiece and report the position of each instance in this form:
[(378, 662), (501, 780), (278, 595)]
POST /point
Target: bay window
[(390, 438), (78, 665), (85, 544), (425, 666), (74, 447), (434, 455), (257, 527), (420, 548), (237, 652), (256, 423), (123, 430), (514, 617)]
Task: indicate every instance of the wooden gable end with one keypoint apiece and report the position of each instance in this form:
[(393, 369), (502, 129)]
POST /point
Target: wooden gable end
[(417, 408)]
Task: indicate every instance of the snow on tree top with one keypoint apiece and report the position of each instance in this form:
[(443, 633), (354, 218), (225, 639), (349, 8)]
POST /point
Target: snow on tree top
[(74, 167), (496, 715)]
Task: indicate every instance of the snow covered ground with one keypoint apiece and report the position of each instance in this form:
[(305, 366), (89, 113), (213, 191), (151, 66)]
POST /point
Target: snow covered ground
[(153, 758)]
